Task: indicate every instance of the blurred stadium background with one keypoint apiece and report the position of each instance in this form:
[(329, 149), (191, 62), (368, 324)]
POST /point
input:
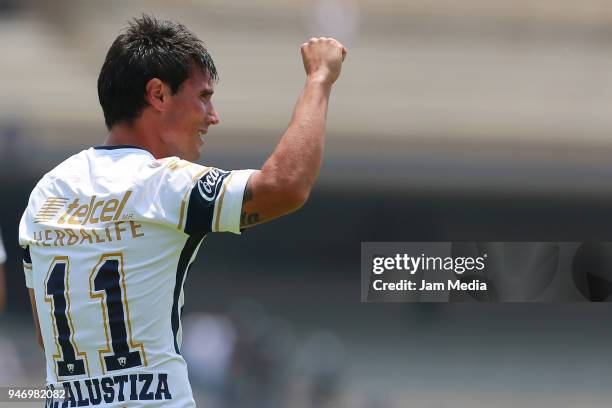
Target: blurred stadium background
[(470, 120)]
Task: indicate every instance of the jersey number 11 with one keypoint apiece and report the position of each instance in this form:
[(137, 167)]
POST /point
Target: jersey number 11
[(106, 283)]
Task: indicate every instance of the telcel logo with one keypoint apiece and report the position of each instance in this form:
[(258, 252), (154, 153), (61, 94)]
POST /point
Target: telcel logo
[(95, 211), (208, 184)]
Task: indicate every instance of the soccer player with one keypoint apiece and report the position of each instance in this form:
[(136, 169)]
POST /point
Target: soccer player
[(110, 233)]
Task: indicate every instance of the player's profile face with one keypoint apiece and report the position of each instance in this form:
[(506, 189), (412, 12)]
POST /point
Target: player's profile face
[(189, 114)]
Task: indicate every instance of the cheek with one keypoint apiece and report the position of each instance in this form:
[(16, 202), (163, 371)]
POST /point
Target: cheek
[(181, 121), (193, 112), (173, 117), (186, 116)]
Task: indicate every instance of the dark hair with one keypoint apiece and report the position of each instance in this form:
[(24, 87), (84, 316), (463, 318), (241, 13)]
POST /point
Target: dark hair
[(149, 48)]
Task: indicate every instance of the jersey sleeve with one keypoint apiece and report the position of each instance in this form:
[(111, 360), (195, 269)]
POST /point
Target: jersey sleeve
[(193, 198), (215, 202)]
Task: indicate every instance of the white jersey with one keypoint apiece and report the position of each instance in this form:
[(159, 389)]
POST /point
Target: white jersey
[(110, 235)]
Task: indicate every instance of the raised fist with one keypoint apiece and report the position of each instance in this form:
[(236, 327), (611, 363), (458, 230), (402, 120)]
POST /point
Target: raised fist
[(323, 58)]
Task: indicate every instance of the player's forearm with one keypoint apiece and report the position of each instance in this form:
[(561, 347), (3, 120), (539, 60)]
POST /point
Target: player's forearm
[(296, 161)]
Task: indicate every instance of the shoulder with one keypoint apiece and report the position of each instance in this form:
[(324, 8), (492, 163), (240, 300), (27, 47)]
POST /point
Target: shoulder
[(178, 174), (66, 168), (64, 173)]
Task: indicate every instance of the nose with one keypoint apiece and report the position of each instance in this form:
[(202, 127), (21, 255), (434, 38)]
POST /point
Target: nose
[(213, 116)]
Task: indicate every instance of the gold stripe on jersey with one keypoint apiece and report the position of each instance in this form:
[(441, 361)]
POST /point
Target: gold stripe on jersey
[(49, 209), (100, 296), (129, 320), (221, 196), (124, 301), (194, 180), (49, 299), (176, 164)]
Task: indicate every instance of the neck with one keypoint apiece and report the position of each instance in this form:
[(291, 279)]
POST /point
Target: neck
[(135, 135)]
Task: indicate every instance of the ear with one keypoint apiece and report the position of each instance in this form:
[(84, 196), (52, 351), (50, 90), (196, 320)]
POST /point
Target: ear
[(156, 93)]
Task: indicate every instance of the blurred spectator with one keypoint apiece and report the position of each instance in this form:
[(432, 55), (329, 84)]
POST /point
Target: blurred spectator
[(321, 361), (239, 360), (208, 345), (262, 357)]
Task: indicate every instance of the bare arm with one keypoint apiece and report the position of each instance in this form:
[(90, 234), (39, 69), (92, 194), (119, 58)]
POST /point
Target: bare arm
[(285, 180), (35, 317)]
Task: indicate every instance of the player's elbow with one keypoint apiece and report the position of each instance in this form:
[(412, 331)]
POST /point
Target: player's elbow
[(279, 193), (296, 197), (290, 199), (289, 191), (297, 190)]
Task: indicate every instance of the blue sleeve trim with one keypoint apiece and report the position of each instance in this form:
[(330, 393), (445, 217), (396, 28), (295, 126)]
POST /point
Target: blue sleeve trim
[(201, 208)]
